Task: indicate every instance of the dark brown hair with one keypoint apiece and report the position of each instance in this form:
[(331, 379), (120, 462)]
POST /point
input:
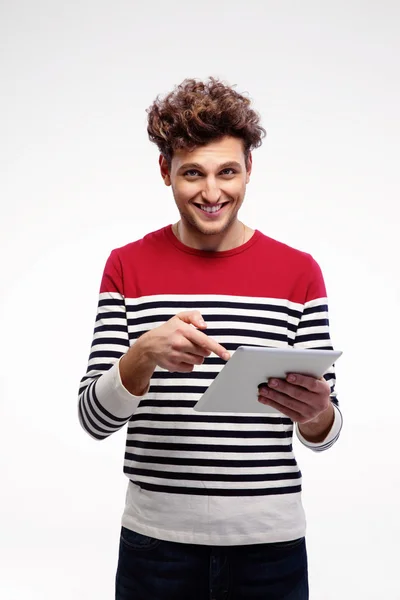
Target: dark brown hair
[(197, 113)]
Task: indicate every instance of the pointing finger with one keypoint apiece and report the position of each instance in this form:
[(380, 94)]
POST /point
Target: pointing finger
[(204, 341)]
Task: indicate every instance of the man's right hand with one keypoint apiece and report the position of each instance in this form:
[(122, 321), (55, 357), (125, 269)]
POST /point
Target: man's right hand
[(178, 345)]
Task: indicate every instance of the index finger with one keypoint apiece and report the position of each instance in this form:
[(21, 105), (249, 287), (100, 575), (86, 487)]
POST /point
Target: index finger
[(313, 384), (201, 339)]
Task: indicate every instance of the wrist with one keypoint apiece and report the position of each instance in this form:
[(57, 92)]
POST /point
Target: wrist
[(144, 348), (136, 367), (317, 429)]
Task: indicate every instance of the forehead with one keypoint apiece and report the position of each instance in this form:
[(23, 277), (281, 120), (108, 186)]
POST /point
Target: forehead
[(228, 149)]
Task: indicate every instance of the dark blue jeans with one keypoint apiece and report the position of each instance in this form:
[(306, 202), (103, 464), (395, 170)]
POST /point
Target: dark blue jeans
[(151, 569)]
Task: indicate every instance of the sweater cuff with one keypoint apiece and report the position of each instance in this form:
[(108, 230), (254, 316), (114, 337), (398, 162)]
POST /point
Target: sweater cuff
[(113, 396), (330, 438)]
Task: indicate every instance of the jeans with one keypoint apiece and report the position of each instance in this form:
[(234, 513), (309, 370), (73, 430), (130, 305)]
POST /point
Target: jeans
[(152, 569)]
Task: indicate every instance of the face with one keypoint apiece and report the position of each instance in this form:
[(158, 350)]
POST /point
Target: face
[(209, 186)]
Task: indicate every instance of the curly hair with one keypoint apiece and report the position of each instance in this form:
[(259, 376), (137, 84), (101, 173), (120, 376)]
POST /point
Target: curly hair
[(197, 113)]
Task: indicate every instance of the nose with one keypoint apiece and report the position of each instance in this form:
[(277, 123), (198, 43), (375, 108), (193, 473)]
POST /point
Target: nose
[(211, 192)]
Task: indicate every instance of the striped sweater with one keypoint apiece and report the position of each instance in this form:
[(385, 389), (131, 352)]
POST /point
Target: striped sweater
[(205, 478)]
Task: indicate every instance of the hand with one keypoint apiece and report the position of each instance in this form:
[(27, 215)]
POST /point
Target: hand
[(177, 345), (302, 399)]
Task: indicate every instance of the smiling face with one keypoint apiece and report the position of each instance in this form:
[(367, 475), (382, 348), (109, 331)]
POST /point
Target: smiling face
[(209, 185)]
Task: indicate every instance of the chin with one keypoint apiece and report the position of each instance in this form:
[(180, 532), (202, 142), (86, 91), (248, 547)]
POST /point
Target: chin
[(213, 228)]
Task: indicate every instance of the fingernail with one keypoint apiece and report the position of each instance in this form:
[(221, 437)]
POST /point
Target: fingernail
[(201, 322), (226, 356), (292, 378)]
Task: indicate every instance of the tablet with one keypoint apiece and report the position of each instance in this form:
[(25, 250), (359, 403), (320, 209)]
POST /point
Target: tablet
[(235, 388)]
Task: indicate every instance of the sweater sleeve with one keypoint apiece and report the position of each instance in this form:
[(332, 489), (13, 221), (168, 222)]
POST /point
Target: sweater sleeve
[(313, 332), (104, 405)]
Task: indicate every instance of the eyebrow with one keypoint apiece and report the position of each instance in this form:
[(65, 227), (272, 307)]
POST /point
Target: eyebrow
[(194, 165)]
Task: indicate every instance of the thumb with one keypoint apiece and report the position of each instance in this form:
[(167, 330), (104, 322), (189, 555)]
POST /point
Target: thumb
[(192, 317)]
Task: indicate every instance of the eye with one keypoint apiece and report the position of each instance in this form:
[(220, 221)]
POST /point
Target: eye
[(223, 171)]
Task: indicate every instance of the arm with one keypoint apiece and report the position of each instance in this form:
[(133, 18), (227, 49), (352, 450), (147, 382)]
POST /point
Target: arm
[(310, 403), (313, 332), (104, 404)]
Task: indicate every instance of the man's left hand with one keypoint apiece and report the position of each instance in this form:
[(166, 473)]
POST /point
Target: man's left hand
[(299, 397)]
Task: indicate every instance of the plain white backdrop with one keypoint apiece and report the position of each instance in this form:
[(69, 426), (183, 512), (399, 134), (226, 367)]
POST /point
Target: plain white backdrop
[(79, 177)]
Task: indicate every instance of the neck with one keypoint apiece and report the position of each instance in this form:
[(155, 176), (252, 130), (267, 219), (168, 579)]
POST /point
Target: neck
[(210, 242)]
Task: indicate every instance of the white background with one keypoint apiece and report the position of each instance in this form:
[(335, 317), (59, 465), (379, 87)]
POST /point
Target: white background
[(79, 177)]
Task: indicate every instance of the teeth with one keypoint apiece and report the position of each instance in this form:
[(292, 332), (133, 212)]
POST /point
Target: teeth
[(211, 209)]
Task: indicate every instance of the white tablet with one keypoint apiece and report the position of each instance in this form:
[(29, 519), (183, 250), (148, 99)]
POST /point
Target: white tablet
[(235, 388)]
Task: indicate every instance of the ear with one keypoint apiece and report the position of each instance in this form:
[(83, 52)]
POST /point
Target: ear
[(249, 167), (164, 170)]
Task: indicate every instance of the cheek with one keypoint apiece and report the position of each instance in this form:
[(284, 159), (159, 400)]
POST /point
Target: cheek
[(240, 188), (234, 190), (188, 191), (184, 193)]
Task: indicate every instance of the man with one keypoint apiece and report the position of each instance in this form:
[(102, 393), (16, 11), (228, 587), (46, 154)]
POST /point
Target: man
[(213, 506)]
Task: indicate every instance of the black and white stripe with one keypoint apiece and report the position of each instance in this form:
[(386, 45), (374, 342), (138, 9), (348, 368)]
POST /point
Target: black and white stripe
[(172, 449)]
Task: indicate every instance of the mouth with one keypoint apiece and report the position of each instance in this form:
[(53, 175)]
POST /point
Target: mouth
[(211, 211)]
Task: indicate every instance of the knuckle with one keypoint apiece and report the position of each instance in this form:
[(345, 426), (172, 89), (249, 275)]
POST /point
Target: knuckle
[(176, 344), (325, 385), (179, 340)]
